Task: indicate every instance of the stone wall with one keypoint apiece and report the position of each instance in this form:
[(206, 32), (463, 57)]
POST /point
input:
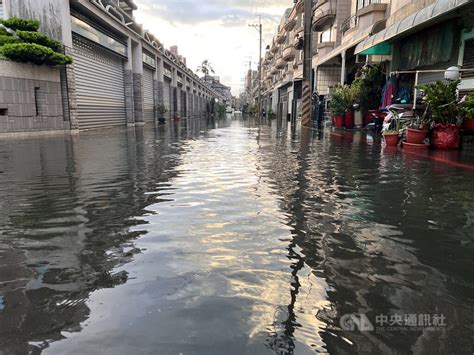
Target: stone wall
[(30, 98)]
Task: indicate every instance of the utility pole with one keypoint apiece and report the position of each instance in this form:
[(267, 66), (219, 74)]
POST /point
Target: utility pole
[(307, 64), (259, 103)]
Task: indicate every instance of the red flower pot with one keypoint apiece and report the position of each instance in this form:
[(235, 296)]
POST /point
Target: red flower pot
[(415, 136), (349, 119), (339, 121), (445, 136), (415, 147), (468, 125), (391, 140)]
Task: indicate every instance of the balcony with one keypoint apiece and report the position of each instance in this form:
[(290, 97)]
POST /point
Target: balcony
[(291, 23), (281, 38), (280, 63), (349, 23), (269, 55), (300, 7), (371, 13), (289, 53), (274, 71), (275, 48), (324, 15)]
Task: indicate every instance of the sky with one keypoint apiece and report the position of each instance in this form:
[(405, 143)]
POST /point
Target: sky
[(216, 30)]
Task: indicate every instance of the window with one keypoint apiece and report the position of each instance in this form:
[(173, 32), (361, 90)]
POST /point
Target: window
[(363, 3), (325, 36), (1, 9), (85, 30)]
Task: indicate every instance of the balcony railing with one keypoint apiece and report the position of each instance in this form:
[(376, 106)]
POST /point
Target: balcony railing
[(349, 23)]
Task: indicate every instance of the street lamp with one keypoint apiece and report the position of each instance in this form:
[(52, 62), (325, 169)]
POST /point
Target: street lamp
[(452, 74)]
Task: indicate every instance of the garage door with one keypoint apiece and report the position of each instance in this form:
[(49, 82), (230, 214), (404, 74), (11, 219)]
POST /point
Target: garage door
[(148, 97), (166, 97), (99, 85)]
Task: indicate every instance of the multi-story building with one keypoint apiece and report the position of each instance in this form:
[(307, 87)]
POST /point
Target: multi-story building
[(402, 36), (224, 91), (120, 75)]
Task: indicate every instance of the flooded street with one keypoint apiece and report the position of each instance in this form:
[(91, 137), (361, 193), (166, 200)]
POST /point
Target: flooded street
[(226, 237)]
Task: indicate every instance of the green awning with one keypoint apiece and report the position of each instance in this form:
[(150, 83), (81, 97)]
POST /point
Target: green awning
[(383, 48), (425, 17)]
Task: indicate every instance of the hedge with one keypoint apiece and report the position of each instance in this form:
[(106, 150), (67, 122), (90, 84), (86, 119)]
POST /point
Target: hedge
[(39, 38), (21, 24), (33, 53), (7, 39)]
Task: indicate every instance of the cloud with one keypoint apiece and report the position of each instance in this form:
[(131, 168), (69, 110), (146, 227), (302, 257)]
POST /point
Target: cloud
[(216, 30), (228, 12)]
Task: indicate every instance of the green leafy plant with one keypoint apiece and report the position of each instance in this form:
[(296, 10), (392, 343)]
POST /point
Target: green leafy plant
[(221, 109), (33, 53), (467, 107), (342, 98), (39, 38), (369, 87), (4, 32), (161, 109), (7, 40), (271, 114), (21, 24), (396, 126), (442, 99), (27, 45)]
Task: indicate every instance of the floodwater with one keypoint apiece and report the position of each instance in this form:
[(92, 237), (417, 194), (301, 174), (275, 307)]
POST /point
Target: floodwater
[(226, 237)]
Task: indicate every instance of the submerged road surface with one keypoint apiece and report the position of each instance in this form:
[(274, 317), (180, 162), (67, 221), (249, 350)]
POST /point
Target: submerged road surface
[(204, 237)]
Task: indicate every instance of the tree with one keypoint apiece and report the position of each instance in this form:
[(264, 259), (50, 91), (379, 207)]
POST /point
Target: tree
[(205, 68)]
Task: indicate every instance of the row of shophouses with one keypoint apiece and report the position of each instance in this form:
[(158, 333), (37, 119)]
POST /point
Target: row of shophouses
[(413, 40), (121, 74)]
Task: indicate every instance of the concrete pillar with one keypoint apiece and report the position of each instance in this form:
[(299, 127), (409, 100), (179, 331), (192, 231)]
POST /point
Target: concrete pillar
[(128, 83), (179, 111), (343, 68), (190, 99), (137, 68), (195, 109), (174, 91), (68, 92), (158, 85)]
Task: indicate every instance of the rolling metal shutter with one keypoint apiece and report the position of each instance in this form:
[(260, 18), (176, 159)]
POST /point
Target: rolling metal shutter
[(148, 97), (99, 85), (166, 97)]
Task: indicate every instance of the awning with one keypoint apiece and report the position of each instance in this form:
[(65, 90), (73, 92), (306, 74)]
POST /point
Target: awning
[(423, 17)]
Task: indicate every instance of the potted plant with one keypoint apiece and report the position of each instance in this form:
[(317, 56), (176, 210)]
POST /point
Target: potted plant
[(417, 130), (371, 80), (161, 109), (337, 106), (349, 94), (468, 112), (391, 135), (271, 114), (445, 110)]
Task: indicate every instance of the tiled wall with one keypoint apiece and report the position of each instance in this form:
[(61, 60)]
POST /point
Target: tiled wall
[(28, 105), (327, 77)]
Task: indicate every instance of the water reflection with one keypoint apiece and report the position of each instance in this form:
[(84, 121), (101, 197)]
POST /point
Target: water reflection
[(213, 236)]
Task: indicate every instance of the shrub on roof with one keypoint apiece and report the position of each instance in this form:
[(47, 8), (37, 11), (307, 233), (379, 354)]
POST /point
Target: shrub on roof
[(21, 24), (33, 53)]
